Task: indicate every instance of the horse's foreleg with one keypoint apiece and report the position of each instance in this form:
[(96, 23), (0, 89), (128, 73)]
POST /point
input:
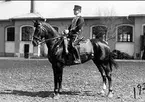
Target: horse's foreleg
[(101, 70), (58, 73), (55, 82), (60, 80), (56, 78)]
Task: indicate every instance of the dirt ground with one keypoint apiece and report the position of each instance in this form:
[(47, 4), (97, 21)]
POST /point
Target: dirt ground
[(32, 81)]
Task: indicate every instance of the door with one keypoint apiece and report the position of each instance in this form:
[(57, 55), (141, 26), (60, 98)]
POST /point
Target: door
[(26, 50)]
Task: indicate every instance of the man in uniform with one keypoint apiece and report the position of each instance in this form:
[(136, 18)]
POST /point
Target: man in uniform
[(74, 31)]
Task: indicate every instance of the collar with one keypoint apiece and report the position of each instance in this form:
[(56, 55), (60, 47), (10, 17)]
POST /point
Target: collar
[(79, 14)]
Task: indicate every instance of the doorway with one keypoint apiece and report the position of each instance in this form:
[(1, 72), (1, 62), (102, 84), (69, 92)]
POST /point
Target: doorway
[(26, 50)]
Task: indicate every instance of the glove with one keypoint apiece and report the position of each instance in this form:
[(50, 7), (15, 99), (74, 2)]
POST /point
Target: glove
[(66, 31)]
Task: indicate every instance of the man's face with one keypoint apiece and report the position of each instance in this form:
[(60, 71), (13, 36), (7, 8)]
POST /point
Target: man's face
[(77, 11)]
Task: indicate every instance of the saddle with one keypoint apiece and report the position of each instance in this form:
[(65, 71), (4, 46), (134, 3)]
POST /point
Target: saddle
[(85, 50)]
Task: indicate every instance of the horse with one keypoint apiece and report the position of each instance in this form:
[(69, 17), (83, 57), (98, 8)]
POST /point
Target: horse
[(90, 49)]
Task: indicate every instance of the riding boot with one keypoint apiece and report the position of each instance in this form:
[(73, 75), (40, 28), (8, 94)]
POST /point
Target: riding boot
[(66, 45), (77, 56)]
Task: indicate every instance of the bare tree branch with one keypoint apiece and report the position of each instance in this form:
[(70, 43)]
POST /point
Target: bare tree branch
[(107, 18)]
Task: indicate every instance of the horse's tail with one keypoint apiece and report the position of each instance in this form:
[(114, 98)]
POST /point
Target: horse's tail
[(112, 61)]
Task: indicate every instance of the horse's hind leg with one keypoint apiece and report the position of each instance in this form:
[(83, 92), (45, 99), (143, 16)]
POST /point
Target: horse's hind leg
[(101, 70), (109, 77)]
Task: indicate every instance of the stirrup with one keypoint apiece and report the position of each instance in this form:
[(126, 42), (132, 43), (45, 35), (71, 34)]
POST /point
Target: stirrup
[(77, 61)]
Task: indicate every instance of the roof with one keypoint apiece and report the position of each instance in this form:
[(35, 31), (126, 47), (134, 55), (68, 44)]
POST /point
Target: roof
[(4, 19), (137, 15), (28, 16), (39, 16), (85, 17)]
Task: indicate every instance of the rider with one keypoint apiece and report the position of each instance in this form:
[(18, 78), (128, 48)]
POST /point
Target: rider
[(74, 31)]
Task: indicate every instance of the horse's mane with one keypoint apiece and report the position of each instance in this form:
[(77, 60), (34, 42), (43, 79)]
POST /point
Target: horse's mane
[(49, 28)]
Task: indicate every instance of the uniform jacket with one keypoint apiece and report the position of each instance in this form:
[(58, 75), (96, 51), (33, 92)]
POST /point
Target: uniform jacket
[(76, 25)]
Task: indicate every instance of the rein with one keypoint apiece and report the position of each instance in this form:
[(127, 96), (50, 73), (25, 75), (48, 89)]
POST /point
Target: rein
[(49, 39), (43, 41)]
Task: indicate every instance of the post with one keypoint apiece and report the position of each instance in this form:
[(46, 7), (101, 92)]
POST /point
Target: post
[(39, 52), (134, 90), (139, 88)]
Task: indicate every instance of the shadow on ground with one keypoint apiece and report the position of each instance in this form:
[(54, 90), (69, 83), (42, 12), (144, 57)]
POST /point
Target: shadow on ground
[(42, 94)]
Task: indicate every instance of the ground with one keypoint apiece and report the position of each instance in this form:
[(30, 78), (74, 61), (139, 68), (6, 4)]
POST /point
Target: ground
[(25, 80)]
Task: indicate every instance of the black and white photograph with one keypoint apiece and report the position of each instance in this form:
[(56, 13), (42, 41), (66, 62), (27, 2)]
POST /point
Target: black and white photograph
[(72, 51)]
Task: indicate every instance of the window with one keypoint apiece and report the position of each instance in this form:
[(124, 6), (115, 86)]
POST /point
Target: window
[(27, 32), (99, 32), (125, 33), (10, 34), (144, 30)]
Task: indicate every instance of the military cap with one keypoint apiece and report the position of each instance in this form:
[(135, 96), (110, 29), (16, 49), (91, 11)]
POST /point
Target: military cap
[(76, 7)]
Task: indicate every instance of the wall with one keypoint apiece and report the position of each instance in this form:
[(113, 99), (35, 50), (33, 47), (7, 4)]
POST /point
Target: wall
[(2, 42), (87, 31), (19, 45), (62, 24), (127, 47), (137, 22), (3, 25)]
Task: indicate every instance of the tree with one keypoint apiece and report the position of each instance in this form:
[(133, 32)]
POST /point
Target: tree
[(108, 19), (7, 0)]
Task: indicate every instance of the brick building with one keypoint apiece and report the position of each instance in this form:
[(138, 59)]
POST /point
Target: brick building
[(124, 33)]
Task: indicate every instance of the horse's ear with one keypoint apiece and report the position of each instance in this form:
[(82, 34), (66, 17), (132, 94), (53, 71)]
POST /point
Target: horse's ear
[(36, 23)]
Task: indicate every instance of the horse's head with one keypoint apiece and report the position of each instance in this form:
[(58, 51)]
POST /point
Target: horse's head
[(43, 30), (38, 33)]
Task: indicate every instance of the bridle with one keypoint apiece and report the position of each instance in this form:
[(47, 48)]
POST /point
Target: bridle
[(45, 40), (36, 38), (41, 41)]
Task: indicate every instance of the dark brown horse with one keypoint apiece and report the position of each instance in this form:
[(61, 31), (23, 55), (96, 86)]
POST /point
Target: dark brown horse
[(89, 50)]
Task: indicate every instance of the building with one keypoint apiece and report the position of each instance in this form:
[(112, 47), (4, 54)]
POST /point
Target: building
[(124, 33)]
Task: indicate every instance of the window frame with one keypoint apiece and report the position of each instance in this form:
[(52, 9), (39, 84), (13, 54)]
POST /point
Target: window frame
[(91, 35), (143, 25), (132, 32), (21, 32), (6, 35)]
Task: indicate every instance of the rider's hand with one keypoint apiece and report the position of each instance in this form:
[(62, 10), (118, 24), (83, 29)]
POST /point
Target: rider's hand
[(66, 31)]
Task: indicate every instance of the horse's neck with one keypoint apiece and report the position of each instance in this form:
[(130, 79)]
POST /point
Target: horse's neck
[(51, 36), (51, 41), (54, 47)]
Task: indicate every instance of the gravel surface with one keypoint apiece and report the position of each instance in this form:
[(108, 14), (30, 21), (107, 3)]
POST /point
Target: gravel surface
[(32, 81)]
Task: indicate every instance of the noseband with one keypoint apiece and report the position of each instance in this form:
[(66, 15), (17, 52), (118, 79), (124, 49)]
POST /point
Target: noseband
[(37, 38)]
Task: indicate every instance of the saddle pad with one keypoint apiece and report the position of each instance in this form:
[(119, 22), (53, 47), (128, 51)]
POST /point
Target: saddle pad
[(85, 47)]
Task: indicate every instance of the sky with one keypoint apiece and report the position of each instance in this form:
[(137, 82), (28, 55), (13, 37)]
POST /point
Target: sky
[(50, 9)]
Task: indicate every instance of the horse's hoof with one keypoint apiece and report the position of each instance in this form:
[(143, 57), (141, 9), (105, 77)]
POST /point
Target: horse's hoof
[(66, 89), (102, 93), (56, 97), (110, 95)]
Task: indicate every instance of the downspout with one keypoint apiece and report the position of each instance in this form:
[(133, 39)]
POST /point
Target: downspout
[(32, 7)]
